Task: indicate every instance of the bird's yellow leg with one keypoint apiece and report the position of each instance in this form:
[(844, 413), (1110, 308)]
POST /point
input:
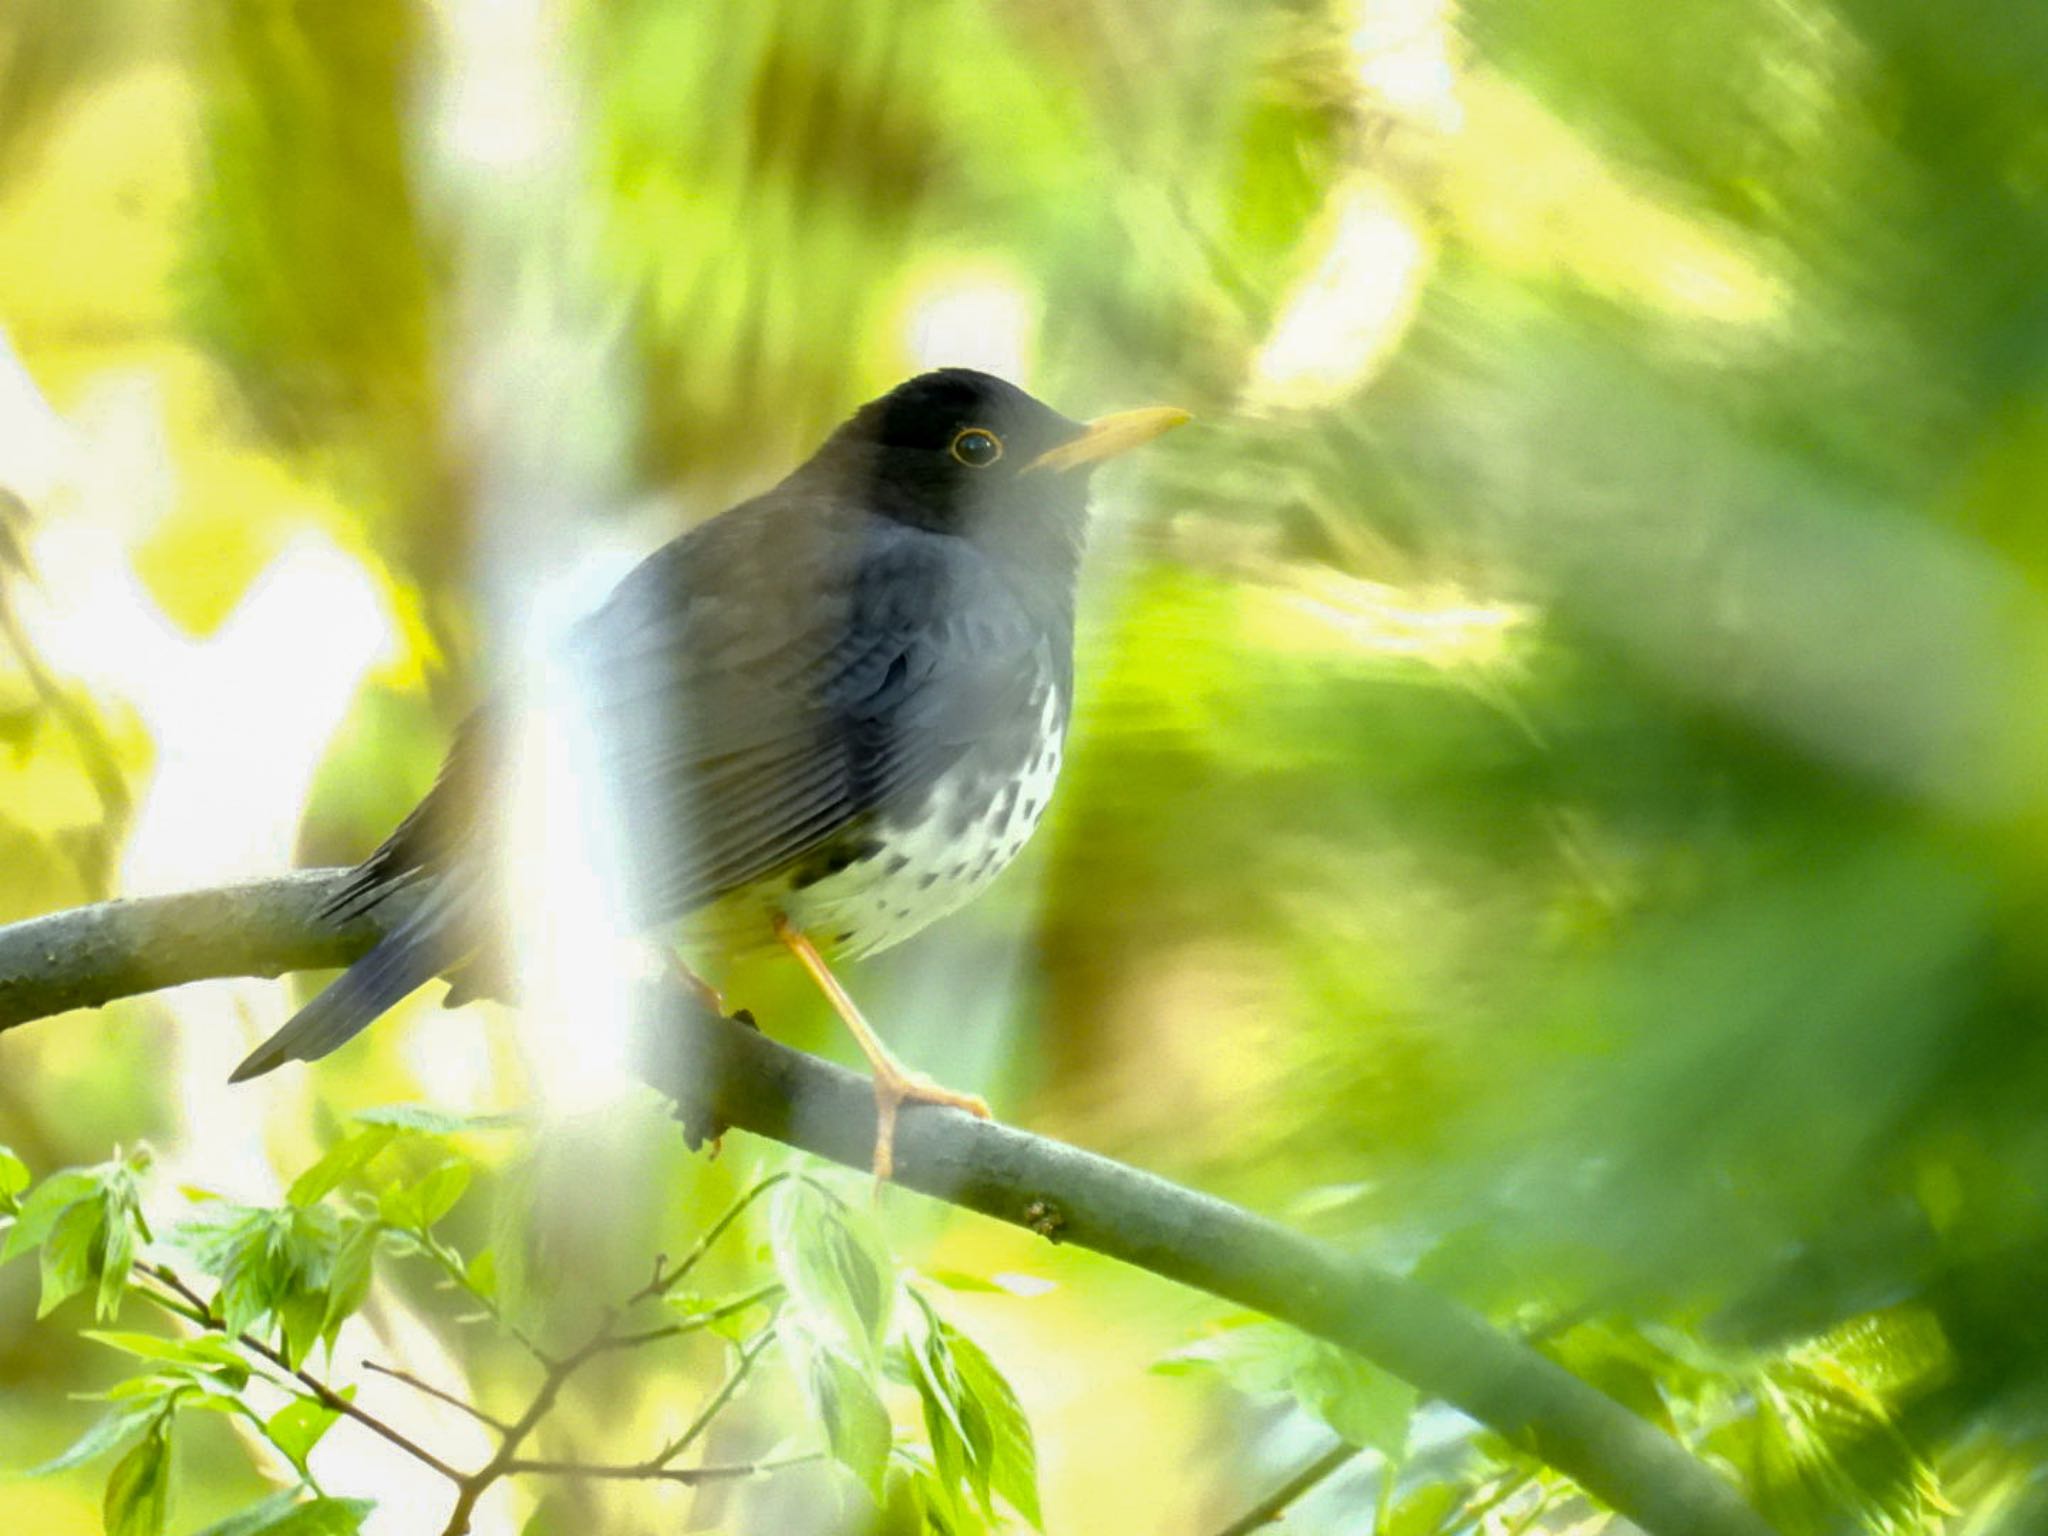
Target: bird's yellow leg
[(895, 1084), (686, 976)]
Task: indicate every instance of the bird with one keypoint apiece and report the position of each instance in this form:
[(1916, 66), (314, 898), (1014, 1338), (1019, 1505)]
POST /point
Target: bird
[(830, 714)]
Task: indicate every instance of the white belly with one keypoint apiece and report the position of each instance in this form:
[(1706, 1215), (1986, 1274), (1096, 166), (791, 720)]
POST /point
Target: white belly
[(924, 870)]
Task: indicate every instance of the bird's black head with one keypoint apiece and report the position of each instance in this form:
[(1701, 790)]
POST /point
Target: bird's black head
[(958, 451)]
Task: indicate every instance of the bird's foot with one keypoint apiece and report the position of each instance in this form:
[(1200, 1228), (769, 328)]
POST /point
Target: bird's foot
[(706, 994), (897, 1086)]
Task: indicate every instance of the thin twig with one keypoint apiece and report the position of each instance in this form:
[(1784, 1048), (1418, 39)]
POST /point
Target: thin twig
[(488, 1420), (660, 1284), (745, 1363), (202, 1313), (696, 1322), (1277, 1503), (642, 1471), (452, 1265)]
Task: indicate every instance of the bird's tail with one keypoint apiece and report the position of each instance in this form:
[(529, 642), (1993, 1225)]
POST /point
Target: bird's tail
[(404, 959)]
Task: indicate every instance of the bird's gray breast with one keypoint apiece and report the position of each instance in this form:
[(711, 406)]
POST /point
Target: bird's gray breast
[(913, 863)]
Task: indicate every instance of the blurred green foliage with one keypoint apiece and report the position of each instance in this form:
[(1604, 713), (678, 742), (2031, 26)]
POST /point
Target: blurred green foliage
[(1559, 798)]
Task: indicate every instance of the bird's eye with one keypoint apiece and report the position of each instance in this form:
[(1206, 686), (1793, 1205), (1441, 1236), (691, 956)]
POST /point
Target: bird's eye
[(977, 447)]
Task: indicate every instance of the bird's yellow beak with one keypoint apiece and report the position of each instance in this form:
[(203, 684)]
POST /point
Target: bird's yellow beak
[(1107, 436)]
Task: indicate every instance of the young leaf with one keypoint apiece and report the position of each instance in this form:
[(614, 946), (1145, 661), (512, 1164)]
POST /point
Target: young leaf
[(481, 1270), (283, 1515), (856, 1424), (298, 1426), (205, 1353), (104, 1435), (277, 1263), (138, 1493), (419, 1205), (440, 1189), (47, 1202), (1357, 1399), (837, 1275), (1361, 1402), (117, 1254), (436, 1122), (348, 1280), (962, 1440), (1257, 1357), (944, 1511), (1013, 1456), (13, 1178), (67, 1253), (345, 1158)]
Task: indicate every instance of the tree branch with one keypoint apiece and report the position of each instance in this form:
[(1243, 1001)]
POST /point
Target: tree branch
[(720, 1071)]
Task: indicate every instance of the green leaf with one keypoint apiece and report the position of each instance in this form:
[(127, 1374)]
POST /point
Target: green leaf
[(425, 1201), (837, 1274), (343, 1160), (944, 1510), (117, 1254), (46, 1203), (348, 1280), (1257, 1357), (1358, 1400), (856, 1424), (67, 1254), (138, 1494), (152, 1388), (298, 1426), (104, 1435), (440, 1189), (1013, 1457), (283, 1514), (204, 1353), (277, 1263), (437, 1122), (1424, 1511), (14, 1177), (956, 1424)]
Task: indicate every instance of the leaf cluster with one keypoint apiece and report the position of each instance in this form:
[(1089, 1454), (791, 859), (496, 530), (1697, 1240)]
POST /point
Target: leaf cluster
[(260, 1292)]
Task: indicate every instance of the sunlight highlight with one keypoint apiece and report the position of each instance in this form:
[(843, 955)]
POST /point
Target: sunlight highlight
[(576, 963), (975, 314), (1402, 53), (1440, 626), (1351, 311)]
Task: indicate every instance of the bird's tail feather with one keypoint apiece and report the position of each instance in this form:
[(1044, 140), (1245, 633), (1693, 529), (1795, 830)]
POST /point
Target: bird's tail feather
[(403, 960)]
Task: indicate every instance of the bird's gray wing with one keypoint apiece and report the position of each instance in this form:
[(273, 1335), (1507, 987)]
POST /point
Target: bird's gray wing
[(747, 716)]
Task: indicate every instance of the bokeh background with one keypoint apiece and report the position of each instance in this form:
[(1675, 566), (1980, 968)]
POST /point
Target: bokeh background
[(1559, 792)]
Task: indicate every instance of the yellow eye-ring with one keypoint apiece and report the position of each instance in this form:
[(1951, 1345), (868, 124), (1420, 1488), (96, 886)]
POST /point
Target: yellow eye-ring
[(977, 447)]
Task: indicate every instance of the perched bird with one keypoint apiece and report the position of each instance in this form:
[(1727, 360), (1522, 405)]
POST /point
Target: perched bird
[(833, 712)]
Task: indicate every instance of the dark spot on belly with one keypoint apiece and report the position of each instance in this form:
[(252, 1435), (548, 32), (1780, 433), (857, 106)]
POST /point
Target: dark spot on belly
[(1031, 808), (835, 860), (959, 870), (846, 937), (926, 882), (898, 863), (902, 914)]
